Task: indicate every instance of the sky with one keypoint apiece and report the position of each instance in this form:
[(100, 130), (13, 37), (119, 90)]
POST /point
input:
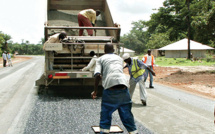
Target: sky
[(24, 19)]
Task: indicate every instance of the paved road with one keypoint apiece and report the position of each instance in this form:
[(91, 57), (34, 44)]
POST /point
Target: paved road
[(22, 110), (173, 111)]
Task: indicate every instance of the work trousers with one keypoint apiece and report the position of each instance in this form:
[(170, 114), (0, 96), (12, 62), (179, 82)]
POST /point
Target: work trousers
[(151, 76), (83, 21), (4, 63), (10, 63), (143, 93), (113, 100)]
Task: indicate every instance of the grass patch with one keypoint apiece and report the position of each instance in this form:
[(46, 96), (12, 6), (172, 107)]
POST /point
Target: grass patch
[(162, 61)]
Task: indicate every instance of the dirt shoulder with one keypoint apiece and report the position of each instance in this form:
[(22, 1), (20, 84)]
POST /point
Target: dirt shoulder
[(198, 80)]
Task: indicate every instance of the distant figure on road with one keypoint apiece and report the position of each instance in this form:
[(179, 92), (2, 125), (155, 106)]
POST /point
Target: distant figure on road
[(149, 60), (115, 96), (87, 18), (91, 66), (4, 56), (9, 60), (136, 70), (56, 38)]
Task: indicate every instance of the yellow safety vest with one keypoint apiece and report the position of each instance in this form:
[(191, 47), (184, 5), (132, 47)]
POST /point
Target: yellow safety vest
[(136, 71)]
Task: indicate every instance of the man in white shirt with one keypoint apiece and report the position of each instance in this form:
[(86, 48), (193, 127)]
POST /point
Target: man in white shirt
[(91, 66), (115, 96), (4, 56), (149, 60)]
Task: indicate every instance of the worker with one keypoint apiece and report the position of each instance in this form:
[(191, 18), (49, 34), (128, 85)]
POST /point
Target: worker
[(136, 70), (4, 56), (56, 38), (109, 68), (87, 18), (91, 66), (149, 60), (9, 60)]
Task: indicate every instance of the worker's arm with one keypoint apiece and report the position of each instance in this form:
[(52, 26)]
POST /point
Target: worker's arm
[(97, 80), (97, 75), (153, 73), (144, 66), (90, 65), (125, 66)]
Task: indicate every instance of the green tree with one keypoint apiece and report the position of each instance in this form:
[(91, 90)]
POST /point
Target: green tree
[(204, 22), (158, 40), (6, 39)]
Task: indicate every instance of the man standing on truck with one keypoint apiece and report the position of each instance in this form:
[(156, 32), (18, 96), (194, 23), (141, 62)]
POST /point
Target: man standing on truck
[(109, 68), (56, 38), (136, 70), (87, 18)]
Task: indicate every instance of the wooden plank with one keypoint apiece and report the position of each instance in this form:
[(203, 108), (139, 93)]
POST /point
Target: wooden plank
[(72, 7), (74, 66), (74, 1), (78, 3), (97, 28)]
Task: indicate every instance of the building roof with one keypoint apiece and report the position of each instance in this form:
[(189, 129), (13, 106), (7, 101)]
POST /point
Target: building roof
[(183, 45), (126, 50)]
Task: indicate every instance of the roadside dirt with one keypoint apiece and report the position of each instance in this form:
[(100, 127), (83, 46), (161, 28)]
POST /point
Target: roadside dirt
[(198, 80)]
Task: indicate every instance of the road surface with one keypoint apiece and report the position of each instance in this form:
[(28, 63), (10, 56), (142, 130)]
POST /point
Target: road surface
[(23, 111)]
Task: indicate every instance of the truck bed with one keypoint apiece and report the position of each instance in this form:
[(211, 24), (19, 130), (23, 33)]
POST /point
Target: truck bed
[(69, 18)]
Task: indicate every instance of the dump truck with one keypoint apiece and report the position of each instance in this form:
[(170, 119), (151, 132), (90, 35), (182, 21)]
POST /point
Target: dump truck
[(70, 56)]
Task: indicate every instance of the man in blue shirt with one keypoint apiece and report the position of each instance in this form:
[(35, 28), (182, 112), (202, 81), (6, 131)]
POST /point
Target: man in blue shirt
[(137, 73), (9, 60)]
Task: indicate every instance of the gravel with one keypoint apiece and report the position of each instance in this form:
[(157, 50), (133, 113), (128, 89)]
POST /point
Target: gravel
[(69, 115)]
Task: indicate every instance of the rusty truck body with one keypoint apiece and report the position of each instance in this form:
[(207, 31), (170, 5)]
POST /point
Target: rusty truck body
[(71, 56)]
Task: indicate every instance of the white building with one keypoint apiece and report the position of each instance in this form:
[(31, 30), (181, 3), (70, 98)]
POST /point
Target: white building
[(126, 50), (179, 49)]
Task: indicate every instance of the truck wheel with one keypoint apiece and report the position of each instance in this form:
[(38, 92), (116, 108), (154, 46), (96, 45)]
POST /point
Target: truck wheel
[(41, 89)]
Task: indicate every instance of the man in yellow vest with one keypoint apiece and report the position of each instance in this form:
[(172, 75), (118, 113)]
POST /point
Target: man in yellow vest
[(149, 61), (136, 70)]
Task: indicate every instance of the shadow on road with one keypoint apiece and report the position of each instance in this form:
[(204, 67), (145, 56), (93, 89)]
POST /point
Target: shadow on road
[(68, 92)]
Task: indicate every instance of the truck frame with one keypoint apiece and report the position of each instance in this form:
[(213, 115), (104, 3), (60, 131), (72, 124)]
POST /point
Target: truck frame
[(73, 54)]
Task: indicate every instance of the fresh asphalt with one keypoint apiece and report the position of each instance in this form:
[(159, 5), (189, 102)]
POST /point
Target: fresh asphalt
[(22, 110)]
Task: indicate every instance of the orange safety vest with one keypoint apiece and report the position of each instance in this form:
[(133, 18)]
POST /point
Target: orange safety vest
[(145, 57)]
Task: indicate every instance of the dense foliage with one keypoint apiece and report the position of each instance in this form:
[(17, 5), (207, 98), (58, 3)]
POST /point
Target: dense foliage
[(24, 48), (171, 23)]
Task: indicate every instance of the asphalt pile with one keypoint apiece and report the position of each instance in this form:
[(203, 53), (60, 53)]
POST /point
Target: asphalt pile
[(69, 115)]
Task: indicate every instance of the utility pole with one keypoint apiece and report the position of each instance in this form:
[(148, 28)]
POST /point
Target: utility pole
[(188, 19)]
